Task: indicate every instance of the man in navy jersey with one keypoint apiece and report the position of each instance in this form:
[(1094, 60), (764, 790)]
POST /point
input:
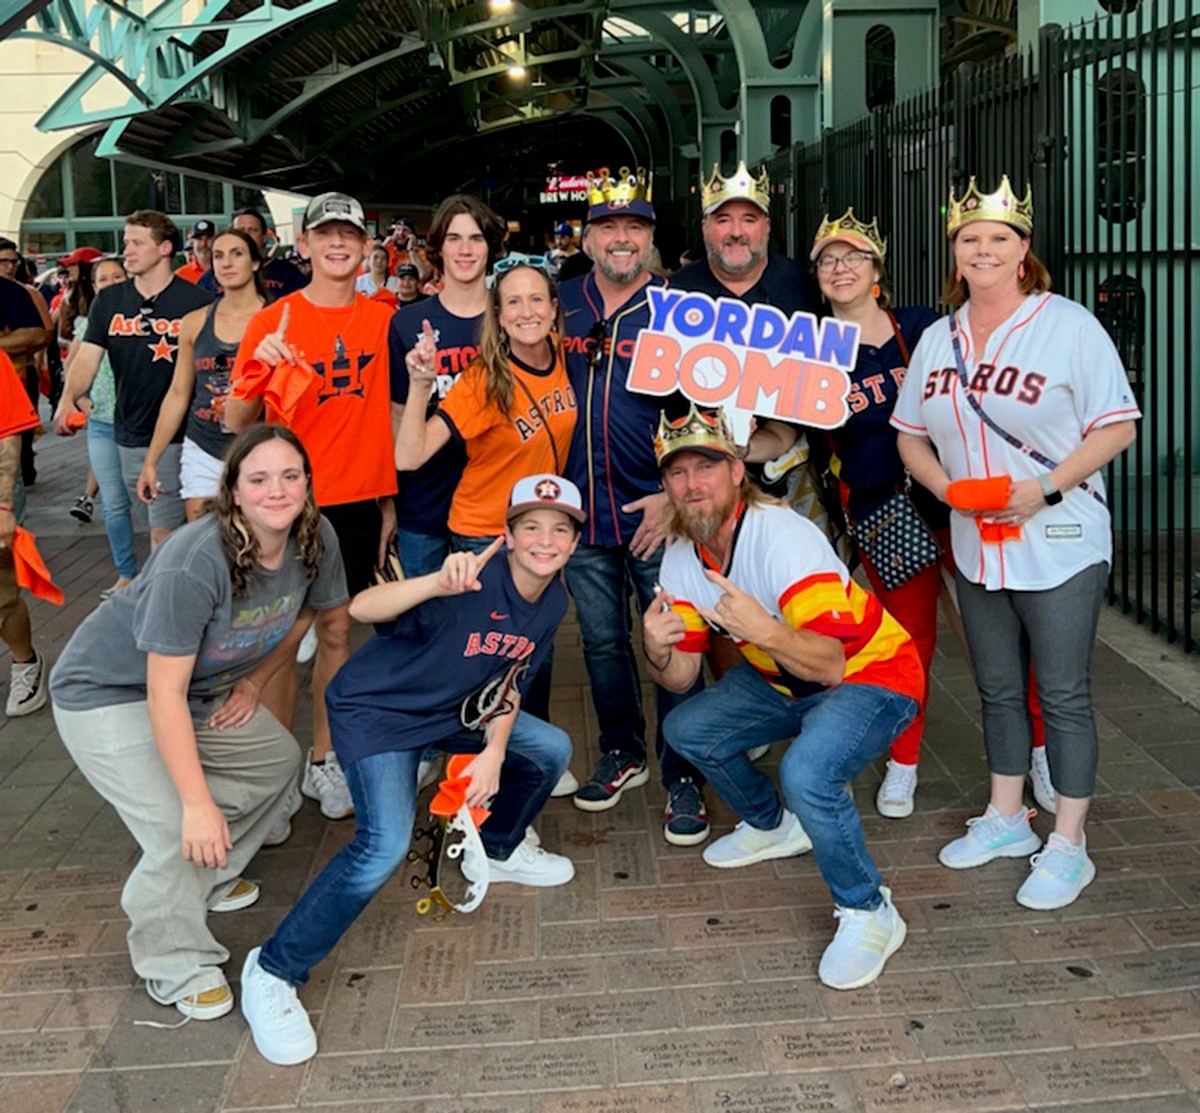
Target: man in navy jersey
[(612, 461), (444, 672), (464, 237)]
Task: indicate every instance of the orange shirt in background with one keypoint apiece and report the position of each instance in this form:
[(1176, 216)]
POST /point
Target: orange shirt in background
[(190, 272), (347, 427), (16, 411), (502, 448)]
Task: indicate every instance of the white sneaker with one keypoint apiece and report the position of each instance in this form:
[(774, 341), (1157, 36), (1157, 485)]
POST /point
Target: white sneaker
[(528, 865), (308, 646), (566, 785), (1039, 777), (26, 691), (990, 836), (757, 753), (1058, 875), (532, 837), (325, 782), (895, 796), (281, 1029), (745, 845), (865, 940)]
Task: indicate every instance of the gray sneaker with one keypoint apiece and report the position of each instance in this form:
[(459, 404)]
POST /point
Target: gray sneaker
[(26, 688)]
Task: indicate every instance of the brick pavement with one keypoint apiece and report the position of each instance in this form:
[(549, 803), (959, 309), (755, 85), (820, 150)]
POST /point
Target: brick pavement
[(651, 982)]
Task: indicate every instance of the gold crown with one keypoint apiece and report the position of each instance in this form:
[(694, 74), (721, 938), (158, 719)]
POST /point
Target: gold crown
[(700, 430), (848, 228), (604, 189), (741, 186), (1003, 205)]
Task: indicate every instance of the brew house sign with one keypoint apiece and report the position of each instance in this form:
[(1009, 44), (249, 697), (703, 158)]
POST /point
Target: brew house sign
[(562, 188)]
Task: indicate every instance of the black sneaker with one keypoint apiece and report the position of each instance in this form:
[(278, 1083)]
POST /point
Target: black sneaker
[(83, 509), (687, 817), (615, 772)]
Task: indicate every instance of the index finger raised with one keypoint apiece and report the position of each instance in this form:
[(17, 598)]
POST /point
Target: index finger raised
[(489, 552), (720, 581), (281, 328)]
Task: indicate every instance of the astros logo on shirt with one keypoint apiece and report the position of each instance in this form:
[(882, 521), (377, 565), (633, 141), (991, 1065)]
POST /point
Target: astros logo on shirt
[(343, 376)]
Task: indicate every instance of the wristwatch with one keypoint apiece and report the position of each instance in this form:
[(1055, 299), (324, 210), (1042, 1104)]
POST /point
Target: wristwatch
[(1050, 493)]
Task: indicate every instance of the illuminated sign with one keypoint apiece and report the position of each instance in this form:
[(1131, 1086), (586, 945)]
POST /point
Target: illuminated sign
[(559, 188)]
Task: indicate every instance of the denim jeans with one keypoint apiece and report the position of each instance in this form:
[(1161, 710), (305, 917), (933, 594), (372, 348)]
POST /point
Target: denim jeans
[(105, 459), (419, 554), (1055, 628), (384, 788), (837, 734), (601, 580)]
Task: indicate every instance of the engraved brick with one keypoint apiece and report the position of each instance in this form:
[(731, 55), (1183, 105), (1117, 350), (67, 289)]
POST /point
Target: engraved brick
[(625, 860), (379, 937), (611, 937), (664, 969), (898, 994), (990, 1031), (810, 1093), (57, 1051), (762, 1003), (627, 1099), (687, 870), (540, 978), (1033, 983), (1155, 970), (23, 943), (624, 904), (506, 927), (928, 950), (564, 1065), (839, 1044), (421, 1026), (1184, 1056), (358, 1010), (769, 961), (438, 967), (1096, 1074), (382, 1075), (608, 1014), (1111, 898), (1169, 929), (1140, 1019), (688, 1055), (73, 880), (47, 1093), (1040, 942), (977, 1085), (731, 929), (790, 893), (574, 902), (104, 972)]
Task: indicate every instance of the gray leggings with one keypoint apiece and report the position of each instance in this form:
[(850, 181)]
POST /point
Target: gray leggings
[(1055, 628)]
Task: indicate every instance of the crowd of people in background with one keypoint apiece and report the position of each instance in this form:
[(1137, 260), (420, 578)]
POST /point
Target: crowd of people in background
[(434, 435)]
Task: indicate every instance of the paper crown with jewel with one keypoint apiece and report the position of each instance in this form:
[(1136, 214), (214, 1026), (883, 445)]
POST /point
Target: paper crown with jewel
[(866, 237), (628, 194), (739, 186), (1003, 205), (703, 431)]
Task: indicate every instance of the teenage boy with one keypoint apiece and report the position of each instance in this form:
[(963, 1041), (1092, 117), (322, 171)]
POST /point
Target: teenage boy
[(441, 640), (338, 337), (137, 322), (464, 238)]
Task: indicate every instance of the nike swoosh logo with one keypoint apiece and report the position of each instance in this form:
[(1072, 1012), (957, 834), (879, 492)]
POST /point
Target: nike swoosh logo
[(572, 312), (498, 616)]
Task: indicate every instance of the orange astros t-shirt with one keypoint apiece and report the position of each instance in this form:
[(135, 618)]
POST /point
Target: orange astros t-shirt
[(502, 448), (347, 426)]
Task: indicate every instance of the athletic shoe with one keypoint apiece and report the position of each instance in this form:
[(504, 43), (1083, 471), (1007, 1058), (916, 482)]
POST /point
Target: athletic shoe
[(83, 509), (429, 771), (527, 865), (532, 837), (242, 894), (895, 796), (308, 646), (865, 940), (1059, 874), (566, 785), (324, 781), (745, 845), (282, 831), (757, 753), (1039, 777), (278, 1023), (991, 836), (26, 690), (615, 772), (209, 1005), (687, 817)]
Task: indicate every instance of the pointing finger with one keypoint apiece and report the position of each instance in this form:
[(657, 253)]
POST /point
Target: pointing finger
[(720, 581), (281, 330), (489, 552)]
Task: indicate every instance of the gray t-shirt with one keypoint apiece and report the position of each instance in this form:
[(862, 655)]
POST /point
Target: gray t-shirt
[(182, 604)]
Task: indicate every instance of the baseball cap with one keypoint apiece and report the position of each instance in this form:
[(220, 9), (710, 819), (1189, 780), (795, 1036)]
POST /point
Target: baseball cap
[(407, 270), (545, 492), (564, 229), (328, 207), (203, 228), (81, 255)]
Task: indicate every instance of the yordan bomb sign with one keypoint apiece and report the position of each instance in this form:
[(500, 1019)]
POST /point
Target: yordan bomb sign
[(751, 360)]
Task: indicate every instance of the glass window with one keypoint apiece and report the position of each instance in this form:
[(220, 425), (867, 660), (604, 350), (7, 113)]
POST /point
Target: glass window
[(1120, 145), (47, 197), (881, 66), (1120, 7), (135, 188), (1121, 309), (249, 199), (201, 196), (91, 178), (172, 191), (42, 247)]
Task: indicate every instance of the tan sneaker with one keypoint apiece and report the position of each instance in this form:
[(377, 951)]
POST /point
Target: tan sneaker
[(209, 1005), (243, 894)]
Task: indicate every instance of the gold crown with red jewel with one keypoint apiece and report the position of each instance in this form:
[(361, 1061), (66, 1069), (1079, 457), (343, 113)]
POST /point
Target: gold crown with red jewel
[(619, 192), (741, 185), (704, 431), (1003, 205), (849, 228)]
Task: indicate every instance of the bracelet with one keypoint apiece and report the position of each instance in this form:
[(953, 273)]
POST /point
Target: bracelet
[(664, 665)]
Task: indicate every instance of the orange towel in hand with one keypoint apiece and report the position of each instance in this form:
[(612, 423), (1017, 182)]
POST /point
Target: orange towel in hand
[(980, 494), (452, 792), (995, 533), (32, 573), (76, 420), (282, 387)]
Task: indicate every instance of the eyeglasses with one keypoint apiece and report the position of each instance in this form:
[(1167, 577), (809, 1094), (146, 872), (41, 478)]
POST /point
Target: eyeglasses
[(596, 336), (852, 260), (9, 260), (516, 259)]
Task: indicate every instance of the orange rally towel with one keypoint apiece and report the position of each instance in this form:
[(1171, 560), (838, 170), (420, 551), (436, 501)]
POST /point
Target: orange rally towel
[(283, 387), (452, 792), (32, 573), (76, 420), (994, 533), (980, 494)]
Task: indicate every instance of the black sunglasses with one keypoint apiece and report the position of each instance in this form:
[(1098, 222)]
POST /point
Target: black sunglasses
[(596, 334), (147, 307)]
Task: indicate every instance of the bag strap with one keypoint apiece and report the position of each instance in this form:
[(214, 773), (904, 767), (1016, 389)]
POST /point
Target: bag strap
[(999, 430), (900, 341), (545, 421)]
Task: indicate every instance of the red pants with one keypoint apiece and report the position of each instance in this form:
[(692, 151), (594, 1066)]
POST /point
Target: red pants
[(914, 606)]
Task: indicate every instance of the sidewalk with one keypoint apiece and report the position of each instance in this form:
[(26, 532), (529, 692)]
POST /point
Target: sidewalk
[(652, 982)]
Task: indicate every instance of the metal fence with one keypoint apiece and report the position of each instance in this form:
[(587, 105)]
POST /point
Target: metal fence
[(1098, 117)]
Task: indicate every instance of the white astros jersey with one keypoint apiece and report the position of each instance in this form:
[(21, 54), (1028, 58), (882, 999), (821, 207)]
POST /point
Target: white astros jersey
[(1048, 375)]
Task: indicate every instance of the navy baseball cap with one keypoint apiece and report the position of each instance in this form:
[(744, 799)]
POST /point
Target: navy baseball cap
[(407, 270), (203, 228)]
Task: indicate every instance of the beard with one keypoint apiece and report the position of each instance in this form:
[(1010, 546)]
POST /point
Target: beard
[(736, 267), (698, 526), (630, 271)]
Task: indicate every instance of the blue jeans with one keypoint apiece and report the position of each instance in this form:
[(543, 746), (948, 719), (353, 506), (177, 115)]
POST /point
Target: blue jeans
[(420, 554), (837, 733), (114, 496), (601, 580), (384, 789)]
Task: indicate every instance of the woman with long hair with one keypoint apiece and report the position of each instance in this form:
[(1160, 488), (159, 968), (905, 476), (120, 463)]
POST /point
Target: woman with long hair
[(103, 456), (512, 411), (208, 343), (156, 697), (1011, 407)]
